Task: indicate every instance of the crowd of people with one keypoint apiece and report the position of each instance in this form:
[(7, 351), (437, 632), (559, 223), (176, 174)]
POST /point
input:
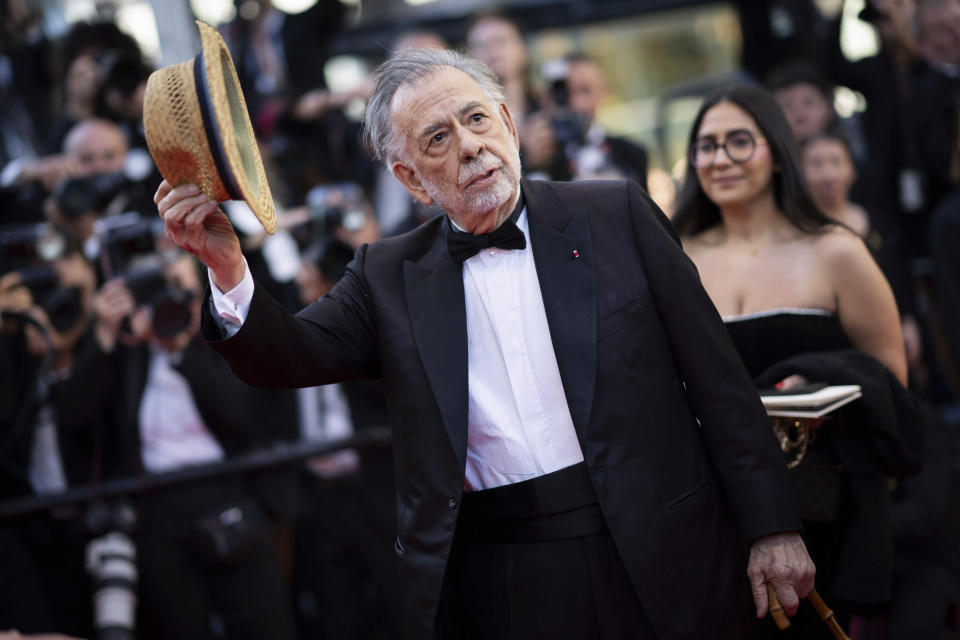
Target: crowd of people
[(826, 243)]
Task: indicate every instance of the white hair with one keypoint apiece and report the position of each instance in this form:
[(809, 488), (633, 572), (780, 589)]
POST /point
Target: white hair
[(407, 67)]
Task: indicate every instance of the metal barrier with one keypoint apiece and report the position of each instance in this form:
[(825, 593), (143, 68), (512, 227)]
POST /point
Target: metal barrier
[(279, 455)]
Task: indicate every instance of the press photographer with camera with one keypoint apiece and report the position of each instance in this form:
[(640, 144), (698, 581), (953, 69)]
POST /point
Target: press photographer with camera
[(46, 441), (96, 175), (105, 178), (207, 541), (343, 569), (592, 151)]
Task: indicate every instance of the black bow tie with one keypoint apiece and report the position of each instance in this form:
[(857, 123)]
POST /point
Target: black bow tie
[(508, 235)]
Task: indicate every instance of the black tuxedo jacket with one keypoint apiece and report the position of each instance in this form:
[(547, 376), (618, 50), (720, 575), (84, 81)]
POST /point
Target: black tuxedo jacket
[(679, 450), (107, 389)]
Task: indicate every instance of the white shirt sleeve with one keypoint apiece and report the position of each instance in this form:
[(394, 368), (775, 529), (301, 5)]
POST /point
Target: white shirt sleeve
[(231, 308)]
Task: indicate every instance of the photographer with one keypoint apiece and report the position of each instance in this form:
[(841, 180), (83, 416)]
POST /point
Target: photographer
[(95, 176), (46, 444), (591, 150), (104, 179), (346, 566), (207, 541)]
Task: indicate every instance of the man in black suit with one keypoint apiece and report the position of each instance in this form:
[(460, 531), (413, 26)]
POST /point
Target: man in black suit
[(168, 403), (600, 154), (580, 452)]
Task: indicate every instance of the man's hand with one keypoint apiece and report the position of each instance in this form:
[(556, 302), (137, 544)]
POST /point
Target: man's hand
[(48, 170), (782, 560), (13, 296), (195, 223)]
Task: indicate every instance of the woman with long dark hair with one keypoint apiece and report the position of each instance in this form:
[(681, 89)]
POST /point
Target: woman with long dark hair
[(803, 300), (761, 243)]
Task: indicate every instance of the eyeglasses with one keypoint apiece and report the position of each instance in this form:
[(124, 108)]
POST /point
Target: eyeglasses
[(739, 147)]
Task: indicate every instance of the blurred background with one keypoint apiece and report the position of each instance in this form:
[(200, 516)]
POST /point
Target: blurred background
[(125, 475)]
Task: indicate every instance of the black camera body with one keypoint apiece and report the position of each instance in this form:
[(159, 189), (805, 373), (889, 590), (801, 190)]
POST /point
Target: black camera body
[(569, 127), (129, 247), (29, 245), (169, 306), (330, 256), (76, 196), (127, 238), (63, 305), (336, 206)]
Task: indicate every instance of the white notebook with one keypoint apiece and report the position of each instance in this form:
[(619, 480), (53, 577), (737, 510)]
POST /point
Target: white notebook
[(811, 405)]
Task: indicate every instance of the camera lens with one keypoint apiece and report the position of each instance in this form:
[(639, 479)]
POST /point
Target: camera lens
[(171, 313), (76, 196), (63, 307)]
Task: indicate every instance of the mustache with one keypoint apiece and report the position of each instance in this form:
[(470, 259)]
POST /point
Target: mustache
[(477, 167)]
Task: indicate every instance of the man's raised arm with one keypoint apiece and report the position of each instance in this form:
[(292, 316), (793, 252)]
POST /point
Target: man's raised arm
[(195, 223)]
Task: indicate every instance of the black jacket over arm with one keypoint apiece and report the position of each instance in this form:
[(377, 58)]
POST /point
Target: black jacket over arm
[(876, 438), (679, 450)]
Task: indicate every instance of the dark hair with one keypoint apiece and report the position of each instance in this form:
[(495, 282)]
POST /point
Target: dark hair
[(794, 72), (832, 133), (696, 212), (120, 73)]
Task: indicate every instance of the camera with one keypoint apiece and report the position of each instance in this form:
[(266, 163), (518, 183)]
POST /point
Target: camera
[(330, 256), (61, 304), (336, 206), (111, 563), (169, 306), (126, 239), (128, 244), (29, 250), (569, 127), (76, 196), (29, 245)]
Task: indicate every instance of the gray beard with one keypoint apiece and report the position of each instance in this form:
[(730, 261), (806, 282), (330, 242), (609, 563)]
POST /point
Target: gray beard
[(448, 198)]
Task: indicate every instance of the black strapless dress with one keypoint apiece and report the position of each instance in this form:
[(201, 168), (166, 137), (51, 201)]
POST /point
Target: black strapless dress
[(764, 339)]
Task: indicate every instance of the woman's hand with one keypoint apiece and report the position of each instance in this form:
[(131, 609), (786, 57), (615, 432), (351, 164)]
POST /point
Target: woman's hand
[(195, 223), (791, 382)]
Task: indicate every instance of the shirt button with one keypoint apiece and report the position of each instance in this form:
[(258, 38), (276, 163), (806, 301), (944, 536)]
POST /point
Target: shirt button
[(493, 253), (452, 502)]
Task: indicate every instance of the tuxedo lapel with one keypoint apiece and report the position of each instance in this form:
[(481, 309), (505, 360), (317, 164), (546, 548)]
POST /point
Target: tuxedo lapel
[(434, 288), (563, 251)]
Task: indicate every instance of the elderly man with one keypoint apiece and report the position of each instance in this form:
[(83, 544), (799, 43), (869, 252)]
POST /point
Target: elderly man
[(580, 452)]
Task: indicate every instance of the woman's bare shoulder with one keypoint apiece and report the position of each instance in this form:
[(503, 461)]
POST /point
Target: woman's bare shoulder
[(838, 247), (857, 219)]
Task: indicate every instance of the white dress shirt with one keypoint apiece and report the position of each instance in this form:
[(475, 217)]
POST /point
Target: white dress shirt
[(46, 465), (172, 432), (519, 424), (325, 417)]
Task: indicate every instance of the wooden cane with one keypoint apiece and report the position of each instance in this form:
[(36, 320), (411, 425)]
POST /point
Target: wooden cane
[(826, 614), (776, 609)]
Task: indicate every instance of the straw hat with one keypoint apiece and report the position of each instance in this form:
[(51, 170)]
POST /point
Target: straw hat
[(198, 130)]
